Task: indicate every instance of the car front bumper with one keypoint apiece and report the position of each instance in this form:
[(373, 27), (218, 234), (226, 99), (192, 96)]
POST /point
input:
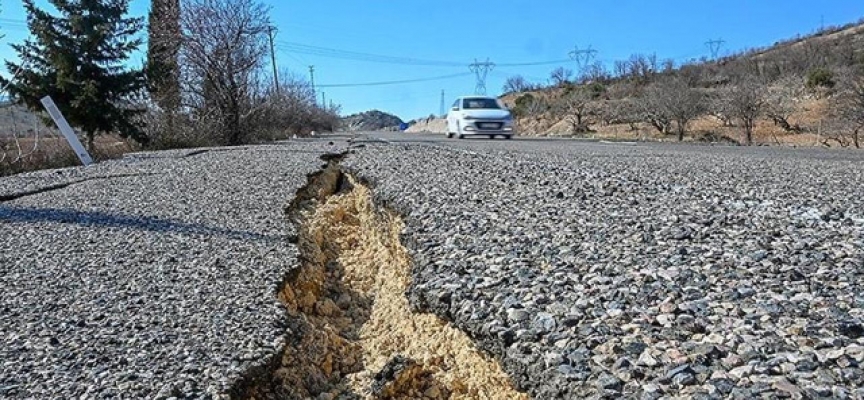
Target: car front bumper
[(473, 127)]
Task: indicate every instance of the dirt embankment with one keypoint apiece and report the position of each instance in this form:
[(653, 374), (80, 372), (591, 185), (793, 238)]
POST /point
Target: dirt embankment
[(429, 125)]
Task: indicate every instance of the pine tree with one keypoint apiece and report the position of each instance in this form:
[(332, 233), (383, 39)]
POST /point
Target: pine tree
[(163, 51), (78, 58)]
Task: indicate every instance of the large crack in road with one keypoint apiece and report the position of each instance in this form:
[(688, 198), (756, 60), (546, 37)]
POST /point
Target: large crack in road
[(352, 333)]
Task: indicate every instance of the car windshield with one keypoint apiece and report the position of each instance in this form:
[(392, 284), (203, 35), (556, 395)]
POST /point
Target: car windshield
[(480, 103)]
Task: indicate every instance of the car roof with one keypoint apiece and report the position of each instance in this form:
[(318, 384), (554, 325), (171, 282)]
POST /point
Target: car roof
[(476, 97)]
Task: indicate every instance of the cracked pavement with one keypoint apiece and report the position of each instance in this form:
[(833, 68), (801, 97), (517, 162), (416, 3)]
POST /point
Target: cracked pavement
[(589, 269)]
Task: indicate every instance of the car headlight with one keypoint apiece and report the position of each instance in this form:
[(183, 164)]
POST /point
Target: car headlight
[(467, 117), (508, 117)]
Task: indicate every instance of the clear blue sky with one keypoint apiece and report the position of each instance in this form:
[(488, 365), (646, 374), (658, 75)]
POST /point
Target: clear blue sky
[(512, 31)]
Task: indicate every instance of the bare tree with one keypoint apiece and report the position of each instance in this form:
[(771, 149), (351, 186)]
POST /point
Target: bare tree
[(576, 107), (745, 101), (516, 84), (674, 100), (561, 76), (621, 69), (642, 67), (848, 110), (595, 72), (781, 101), (223, 52)]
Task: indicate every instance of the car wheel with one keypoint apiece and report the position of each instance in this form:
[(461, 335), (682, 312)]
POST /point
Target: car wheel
[(492, 137), (461, 136), (508, 137), (449, 135)]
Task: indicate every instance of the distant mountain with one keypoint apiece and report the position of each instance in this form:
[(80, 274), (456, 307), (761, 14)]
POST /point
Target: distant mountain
[(373, 120)]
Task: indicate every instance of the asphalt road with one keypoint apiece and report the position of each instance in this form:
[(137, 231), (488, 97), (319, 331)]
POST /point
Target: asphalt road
[(589, 269), (640, 270)]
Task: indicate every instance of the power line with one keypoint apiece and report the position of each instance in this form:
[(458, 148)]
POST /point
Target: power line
[(359, 56), (481, 71), (528, 64), (299, 48), (382, 83)]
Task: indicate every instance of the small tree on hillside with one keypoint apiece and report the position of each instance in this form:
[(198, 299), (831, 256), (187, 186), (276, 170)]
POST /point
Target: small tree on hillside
[(77, 58), (515, 84), (673, 99), (780, 101), (848, 109), (576, 106), (561, 76), (745, 101)]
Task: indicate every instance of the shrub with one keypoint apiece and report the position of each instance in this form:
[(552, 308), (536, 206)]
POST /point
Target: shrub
[(820, 77)]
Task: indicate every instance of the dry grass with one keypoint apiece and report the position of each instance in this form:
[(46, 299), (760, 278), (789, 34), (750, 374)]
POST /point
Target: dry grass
[(28, 144), (30, 154)]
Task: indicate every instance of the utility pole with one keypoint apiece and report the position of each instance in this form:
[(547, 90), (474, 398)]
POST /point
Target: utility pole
[(481, 71), (582, 57), (323, 99), (443, 109), (312, 81), (714, 46), (273, 58)]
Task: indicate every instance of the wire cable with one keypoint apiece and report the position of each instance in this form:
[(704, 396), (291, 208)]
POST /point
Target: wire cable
[(399, 82), (359, 56)]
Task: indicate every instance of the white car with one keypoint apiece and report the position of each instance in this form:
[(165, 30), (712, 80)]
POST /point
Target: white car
[(479, 116)]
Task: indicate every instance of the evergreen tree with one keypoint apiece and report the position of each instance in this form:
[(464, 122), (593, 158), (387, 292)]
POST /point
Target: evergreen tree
[(163, 51), (78, 58)]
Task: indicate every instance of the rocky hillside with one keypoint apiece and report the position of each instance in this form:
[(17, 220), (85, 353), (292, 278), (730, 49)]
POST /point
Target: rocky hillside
[(370, 121)]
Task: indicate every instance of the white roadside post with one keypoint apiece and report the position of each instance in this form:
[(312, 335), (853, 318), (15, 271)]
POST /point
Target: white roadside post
[(66, 130)]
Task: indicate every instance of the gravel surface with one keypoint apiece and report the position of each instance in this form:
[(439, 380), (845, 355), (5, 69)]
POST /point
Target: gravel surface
[(609, 270), (148, 277)]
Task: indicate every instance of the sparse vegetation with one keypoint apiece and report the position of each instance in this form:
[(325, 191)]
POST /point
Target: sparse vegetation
[(798, 91)]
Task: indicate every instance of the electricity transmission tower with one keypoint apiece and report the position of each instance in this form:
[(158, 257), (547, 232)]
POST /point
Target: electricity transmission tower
[(714, 46), (582, 57), (481, 71)]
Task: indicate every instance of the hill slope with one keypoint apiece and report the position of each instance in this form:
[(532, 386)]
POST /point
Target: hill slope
[(373, 120), (810, 72)]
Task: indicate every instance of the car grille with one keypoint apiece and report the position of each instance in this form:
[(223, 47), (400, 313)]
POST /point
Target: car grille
[(490, 126)]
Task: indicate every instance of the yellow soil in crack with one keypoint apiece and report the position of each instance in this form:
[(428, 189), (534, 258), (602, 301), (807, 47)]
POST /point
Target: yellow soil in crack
[(366, 245)]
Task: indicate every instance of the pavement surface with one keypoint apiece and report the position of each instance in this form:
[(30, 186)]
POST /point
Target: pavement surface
[(609, 270), (589, 269), (148, 277)]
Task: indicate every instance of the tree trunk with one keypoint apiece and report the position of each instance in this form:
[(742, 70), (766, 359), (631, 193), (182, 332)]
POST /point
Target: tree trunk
[(748, 130), (855, 138), (91, 138), (680, 131)]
